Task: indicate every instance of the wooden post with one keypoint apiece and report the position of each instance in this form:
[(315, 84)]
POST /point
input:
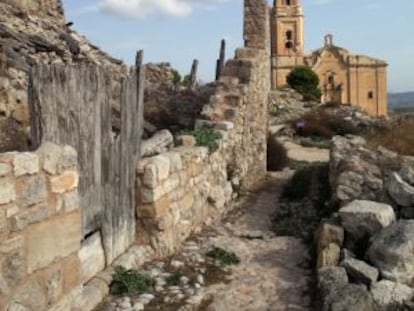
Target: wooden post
[(221, 60), (193, 75)]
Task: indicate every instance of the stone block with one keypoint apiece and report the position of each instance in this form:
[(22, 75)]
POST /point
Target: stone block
[(387, 294), (71, 271), (363, 219), (28, 297), (4, 169), (7, 191), (360, 271), (328, 233), (64, 182), (69, 157), (53, 283), (52, 155), (32, 190), (71, 201), (70, 301), (25, 164), (401, 192), (33, 215), (92, 257), (48, 241), (156, 209), (186, 140), (11, 264), (329, 256)]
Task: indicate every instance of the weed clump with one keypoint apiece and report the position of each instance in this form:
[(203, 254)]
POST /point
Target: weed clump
[(205, 136), (320, 124), (225, 258), (130, 282)]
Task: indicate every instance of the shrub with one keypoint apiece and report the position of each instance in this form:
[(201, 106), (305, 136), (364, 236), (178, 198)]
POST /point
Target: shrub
[(305, 81), (130, 282), (224, 257), (398, 138), (176, 77), (322, 124), (205, 136), (277, 158)]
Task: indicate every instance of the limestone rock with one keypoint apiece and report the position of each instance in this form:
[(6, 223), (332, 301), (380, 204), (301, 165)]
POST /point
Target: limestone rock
[(353, 298), (186, 140), (365, 218), (407, 171), (387, 295), (400, 191), (92, 257), (34, 191), (7, 192), (391, 251), (330, 281), (360, 271), (328, 233), (329, 256), (26, 164)]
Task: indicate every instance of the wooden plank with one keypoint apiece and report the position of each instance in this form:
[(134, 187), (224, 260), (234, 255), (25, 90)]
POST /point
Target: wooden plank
[(73, 105)]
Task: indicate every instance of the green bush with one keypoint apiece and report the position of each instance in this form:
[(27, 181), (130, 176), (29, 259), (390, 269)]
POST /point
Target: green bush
[(224, 257), (305, 81), (205, 136), (130, 282), (176, 77)]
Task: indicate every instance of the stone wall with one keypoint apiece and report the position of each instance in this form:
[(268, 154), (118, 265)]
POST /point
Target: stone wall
[(40, 229), (182, 189)]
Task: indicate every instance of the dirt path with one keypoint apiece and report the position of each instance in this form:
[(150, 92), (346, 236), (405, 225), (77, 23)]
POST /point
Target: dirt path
[(274, 273)]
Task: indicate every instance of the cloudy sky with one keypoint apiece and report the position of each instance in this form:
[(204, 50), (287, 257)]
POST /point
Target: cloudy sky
[(178, 31)]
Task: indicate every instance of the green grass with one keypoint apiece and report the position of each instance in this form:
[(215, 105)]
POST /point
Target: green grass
[(205, 136), (130, 282), (225, 258)]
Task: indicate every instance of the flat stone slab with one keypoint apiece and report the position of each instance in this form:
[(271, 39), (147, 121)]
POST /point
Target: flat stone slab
[(306, 154)]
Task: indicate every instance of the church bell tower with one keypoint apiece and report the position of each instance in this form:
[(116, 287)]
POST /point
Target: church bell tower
[(287, 28)]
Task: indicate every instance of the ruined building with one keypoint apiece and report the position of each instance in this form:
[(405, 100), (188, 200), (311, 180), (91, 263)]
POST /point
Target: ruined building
[(344, 77)]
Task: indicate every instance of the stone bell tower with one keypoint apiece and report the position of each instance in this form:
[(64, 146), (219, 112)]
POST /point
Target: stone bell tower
[(287, 39), (287, 24)]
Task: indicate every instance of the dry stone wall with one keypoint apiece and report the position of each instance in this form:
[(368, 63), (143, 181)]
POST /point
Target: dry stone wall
[(180, 190), (40, 229)]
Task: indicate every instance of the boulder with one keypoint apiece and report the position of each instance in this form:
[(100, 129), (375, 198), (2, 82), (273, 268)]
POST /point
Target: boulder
[(365, 218), (329, 256), (392, 250), (351, 297), (328, 233), (360, 272), (331, 280), (407, 170), (401, 192), (388, 295)]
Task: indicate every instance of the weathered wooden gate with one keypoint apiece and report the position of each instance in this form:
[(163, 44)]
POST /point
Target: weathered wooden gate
[(74, 106)]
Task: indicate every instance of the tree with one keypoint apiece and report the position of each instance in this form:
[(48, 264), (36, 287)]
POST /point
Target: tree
[(176, 77), (305, 81)]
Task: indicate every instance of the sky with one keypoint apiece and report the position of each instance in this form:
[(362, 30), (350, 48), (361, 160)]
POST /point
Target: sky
[(178, 31)]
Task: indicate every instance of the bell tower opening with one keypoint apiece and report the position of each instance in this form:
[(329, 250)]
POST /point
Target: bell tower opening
[(287, 28)]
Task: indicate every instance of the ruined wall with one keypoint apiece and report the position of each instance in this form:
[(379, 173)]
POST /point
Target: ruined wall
[(40, 229), (180, 190)]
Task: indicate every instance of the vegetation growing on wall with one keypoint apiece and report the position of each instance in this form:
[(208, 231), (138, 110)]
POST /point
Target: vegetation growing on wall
[(130, 282)]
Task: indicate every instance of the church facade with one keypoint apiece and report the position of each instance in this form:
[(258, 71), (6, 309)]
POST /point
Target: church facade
[(344, 77)]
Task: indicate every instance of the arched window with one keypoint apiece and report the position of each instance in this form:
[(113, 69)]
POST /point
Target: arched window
[(289, 35), (288, 2), (331, 79), (370, 95), (289, 45)]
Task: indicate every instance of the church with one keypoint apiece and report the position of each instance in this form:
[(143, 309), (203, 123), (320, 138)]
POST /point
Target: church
[(344, 77)]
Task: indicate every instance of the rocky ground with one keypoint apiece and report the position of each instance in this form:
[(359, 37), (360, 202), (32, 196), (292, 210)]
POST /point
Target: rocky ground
[(274, 272)]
